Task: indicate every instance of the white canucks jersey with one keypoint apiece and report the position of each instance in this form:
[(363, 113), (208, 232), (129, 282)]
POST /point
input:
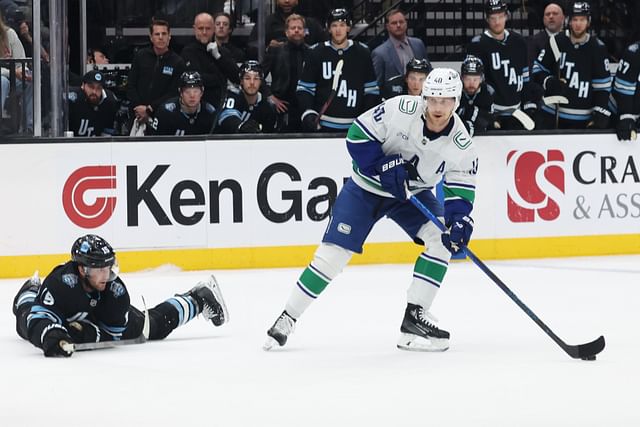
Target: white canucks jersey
[(397, 126)]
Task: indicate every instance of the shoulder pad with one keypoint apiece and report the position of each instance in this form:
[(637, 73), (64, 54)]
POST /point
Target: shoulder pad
[(633, 48), (170, 106), (209, 108), (476, 38)]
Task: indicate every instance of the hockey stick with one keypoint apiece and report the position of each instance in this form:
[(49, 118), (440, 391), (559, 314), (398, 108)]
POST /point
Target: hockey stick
[(556, 54), (71, 347), (524, 119), (334, 89), (586, 351)]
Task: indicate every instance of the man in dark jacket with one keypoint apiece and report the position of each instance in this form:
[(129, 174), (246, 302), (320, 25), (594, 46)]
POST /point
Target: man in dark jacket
[(214, 62), (155, 73), (285, 65)]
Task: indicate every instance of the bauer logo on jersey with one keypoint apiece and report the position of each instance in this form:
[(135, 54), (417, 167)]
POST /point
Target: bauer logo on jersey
[(536, 186), (408, 106), (461, 140)]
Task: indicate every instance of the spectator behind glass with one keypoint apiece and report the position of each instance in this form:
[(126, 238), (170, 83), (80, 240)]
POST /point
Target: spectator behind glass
[(276, 23), (212, 61), (553, 22), (246, 111), (155, 73), (284, 63), (11, 48), (391, 57)]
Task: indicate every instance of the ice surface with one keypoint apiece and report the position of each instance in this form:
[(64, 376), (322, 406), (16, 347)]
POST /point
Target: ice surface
[(341, 366)]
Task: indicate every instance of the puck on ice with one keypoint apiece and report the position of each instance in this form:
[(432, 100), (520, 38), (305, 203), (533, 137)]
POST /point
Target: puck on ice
[(589, 357)]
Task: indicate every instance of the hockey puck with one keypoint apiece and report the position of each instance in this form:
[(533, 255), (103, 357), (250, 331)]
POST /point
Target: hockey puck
[(589, 357)]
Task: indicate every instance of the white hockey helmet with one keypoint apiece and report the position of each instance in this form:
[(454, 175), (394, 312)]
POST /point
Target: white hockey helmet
[(443, 83)]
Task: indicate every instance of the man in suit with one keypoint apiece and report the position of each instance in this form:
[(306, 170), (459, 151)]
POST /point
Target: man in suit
[(391, 57)]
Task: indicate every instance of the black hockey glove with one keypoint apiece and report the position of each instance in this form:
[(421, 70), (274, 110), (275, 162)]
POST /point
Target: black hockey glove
[(599, 118), (250, 126), (459, 234), (53, 340), (554, 86), (82, 331), (625, 128), (309, 122), (393, 175)]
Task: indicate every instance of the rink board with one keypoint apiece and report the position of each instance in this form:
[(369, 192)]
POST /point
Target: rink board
[(265, 203)]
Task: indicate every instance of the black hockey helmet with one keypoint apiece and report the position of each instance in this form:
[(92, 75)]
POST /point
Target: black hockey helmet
[(495, 6), (93, 251), (580, 8), (191, 79), (419, 65), (251, 65), (339, 15), (472, 65)]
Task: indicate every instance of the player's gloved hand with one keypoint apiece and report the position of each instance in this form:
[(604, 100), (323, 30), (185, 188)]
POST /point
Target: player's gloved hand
[(250, 126), (554, 86), (625, 128), (309, 122), (393, 175), (214, 50), (81, 331), (460, 229), (599, 118), (53, 341)]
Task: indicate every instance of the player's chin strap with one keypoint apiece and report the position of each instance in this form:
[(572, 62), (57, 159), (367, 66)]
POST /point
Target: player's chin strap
[(583, 351)]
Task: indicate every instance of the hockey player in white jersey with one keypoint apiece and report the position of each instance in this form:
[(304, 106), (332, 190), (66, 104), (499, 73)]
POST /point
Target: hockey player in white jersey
[(405, 143)]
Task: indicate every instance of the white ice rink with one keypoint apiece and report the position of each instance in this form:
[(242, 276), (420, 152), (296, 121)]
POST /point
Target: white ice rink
[(341, 367)]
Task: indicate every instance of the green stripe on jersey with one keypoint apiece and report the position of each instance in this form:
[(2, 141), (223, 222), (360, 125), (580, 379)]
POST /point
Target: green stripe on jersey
[(314, 283), (356, 134), (426, 267), (463, 193)]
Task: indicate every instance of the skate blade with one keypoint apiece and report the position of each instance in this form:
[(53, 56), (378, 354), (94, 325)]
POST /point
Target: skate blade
[(410, 342), (215, 288), (270, 343)]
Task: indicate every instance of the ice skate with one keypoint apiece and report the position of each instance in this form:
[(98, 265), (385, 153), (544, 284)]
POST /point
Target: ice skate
[(27, 292), (210, 302), (418, 333), (280, 331)]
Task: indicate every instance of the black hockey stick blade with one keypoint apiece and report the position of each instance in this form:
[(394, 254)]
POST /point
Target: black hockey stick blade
[(586, 351), (144, 336)]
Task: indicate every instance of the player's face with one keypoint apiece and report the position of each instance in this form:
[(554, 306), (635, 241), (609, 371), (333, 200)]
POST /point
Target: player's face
[(203, 28), (553, 18), (414, 81), (160, 37), (339, 31), (578, 25), (93, 92), (295, 31), (97, 278), (471, 83), (191, 96), (497, 22), (397, 25), (439, 110), (250, 83), (222, 27)]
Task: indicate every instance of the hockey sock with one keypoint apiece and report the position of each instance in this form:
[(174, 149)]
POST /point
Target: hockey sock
[(328, 262), (186, 307), (428, 273)]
